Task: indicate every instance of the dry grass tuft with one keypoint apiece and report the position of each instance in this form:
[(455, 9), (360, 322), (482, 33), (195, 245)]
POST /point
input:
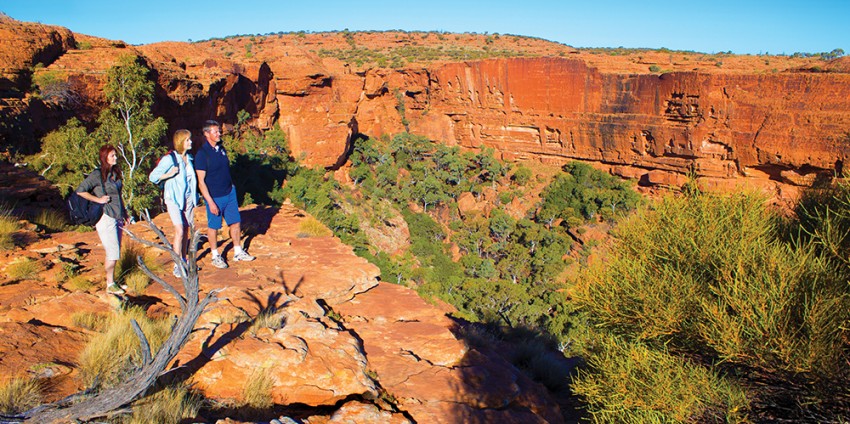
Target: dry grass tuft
[(267, 318), (19, 395), (113, 354), (311, 227), (128, 263), (90, 320), (24, 269), (258, 389), (137, 280), (8, 227), (171, 405), (52, 220), (79, 283)]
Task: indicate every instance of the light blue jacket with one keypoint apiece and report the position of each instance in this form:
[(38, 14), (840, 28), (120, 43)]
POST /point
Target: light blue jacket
[(178, 186)]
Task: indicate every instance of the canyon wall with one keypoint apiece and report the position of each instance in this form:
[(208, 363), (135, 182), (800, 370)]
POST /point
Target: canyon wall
[(774, 129)]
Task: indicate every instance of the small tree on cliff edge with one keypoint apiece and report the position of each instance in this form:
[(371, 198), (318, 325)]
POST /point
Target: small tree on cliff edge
[(129, 124)]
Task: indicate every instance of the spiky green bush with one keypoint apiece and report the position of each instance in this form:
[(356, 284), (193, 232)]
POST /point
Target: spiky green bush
[(724, 279), (627, 381)]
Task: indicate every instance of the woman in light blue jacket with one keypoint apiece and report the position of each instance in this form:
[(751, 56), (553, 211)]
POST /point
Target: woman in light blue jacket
[(180, 190)]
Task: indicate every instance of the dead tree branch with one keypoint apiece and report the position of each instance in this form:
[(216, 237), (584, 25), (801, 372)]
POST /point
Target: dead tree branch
[(111, 399)]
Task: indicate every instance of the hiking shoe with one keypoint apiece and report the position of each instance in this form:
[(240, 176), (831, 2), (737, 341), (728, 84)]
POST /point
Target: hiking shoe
[(219, 262), (243, 256), (176, 271), (114, 289)]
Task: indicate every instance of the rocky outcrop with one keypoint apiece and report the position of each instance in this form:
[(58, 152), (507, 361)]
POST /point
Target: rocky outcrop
[(308, 316)]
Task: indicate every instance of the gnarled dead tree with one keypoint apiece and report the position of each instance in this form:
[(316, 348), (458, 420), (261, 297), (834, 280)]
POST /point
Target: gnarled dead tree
[(111, 399)]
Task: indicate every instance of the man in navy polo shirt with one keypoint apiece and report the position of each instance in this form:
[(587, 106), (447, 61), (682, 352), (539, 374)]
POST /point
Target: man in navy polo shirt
[(216, 186)]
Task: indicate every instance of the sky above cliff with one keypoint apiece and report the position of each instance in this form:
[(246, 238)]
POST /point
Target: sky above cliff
[(742, 26)]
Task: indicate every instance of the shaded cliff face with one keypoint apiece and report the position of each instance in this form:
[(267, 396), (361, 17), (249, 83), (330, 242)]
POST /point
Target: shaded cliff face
[(770, 122)]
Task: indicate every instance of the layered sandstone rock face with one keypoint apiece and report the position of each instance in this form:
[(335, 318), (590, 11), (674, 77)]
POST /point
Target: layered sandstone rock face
[(356, 349), (773, 123)]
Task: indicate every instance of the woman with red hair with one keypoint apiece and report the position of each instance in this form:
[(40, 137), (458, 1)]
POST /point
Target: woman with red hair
[(104, 186)]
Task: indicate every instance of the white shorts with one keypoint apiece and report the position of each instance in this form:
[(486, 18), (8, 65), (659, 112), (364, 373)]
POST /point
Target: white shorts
[(180, 217), (110, 236)]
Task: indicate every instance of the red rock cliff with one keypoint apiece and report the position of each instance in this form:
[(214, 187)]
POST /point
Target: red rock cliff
[(741, 122)]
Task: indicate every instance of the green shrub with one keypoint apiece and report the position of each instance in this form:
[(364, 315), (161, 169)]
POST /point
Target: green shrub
[(629, 382), (721, 276), (654, 68), (583, 192), (522, 176)]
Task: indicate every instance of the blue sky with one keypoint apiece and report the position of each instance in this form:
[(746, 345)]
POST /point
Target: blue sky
[(741, 26)]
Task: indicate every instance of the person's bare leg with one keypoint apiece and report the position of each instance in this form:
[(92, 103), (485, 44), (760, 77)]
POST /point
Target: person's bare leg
[(236, 235), (110, 271), (212, 238), (179, 237)]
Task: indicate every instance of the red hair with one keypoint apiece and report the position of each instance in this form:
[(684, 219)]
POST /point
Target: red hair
[(104, 164)]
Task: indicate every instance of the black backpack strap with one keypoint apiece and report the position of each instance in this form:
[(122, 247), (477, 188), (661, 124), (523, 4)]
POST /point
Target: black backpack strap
[(174, 158)]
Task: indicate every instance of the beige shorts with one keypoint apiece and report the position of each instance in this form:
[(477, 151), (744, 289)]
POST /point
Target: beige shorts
[(110, 236)]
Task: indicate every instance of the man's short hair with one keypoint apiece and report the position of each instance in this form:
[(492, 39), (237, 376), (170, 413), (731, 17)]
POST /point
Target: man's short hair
[(210, 124)]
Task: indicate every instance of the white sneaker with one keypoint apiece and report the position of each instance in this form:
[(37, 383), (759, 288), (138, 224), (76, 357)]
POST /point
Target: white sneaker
[(243, 256), (219, 262)]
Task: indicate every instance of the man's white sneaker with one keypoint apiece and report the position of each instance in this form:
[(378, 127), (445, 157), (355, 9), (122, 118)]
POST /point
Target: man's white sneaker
[(243, 256), (219, 262)]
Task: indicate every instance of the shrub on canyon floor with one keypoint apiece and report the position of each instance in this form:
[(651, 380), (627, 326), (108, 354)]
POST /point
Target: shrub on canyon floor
[(19, 394), (113, 354), (702, 279)]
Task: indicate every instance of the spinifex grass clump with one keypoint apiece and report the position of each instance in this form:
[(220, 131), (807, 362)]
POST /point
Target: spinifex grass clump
[(18, 395), (24, 269), (113, 354), (8, 226), (52, 220), (708, 279), (169, 405)]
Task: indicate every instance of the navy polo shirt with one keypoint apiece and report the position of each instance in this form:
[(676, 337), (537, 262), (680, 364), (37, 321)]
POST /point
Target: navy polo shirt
[(214, 162)]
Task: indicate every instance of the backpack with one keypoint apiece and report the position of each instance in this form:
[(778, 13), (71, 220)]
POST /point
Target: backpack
[(161, 183), (83, 211)]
